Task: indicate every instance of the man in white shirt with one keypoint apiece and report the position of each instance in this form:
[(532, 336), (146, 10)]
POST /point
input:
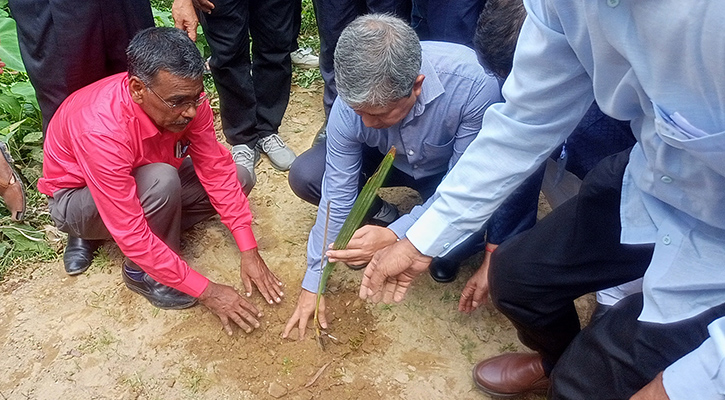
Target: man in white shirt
[(657, 212)]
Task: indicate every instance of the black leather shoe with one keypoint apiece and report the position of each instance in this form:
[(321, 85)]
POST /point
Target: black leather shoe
[(79, 254), (158, 295), (321, 135), (443, 270)]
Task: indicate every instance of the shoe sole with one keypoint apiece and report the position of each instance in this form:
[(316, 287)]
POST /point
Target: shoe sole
[(497, 395), (154, 303), (74, 273)]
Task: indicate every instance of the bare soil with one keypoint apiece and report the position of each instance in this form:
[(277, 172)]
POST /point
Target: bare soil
[(88, 337)]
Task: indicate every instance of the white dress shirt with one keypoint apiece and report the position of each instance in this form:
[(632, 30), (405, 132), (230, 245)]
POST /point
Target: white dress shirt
[(659, 64)]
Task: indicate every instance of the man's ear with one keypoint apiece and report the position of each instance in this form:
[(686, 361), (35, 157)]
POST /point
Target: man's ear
[(137, 89), (418, 85)]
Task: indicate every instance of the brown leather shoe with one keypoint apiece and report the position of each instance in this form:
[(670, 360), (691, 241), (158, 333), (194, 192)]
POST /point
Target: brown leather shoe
[(11, 187), (511, 375)]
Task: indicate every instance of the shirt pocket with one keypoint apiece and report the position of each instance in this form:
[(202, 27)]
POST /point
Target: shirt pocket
[(708, 150), (438, 155), (685, 171)]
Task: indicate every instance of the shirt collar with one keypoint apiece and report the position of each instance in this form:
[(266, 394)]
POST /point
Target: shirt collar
[(431, 89), (147, 127)]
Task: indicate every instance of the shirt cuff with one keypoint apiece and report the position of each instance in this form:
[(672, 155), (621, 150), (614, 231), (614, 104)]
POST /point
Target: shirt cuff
[(194, 284), (244, 238), (401, 225), (311, 281), (427, 234)]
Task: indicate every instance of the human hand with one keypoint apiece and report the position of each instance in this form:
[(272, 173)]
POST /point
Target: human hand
[(391, 272), (475, 292), (363, 245), (185, 17), (227, 304), (305, 309), (204, 5), (654, 390), (253, 270)]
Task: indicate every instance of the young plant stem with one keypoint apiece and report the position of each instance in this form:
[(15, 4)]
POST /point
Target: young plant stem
[(353, 221)]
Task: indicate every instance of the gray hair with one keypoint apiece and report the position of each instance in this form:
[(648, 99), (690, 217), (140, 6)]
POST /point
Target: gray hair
[(377, 60), (163, 48)]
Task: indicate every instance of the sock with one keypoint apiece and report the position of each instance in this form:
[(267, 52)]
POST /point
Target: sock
[(135, 274)]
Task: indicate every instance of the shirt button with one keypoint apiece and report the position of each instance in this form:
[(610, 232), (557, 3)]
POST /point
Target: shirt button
[(411, 152), (666, 240), (612, 3), (447, 245), (666, 179), (415, 166)]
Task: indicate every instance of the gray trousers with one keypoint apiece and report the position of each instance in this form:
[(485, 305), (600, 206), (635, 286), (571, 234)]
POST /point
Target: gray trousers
[(173, 200)]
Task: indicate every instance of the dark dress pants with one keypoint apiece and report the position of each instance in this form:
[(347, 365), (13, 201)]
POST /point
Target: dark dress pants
[(253, 91), (173, 201), (446, 20), (575, 250), (67, 45), (332, 17)]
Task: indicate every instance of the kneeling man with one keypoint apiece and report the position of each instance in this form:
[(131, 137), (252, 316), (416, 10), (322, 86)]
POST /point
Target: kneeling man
[(426, 99), (134, 157)]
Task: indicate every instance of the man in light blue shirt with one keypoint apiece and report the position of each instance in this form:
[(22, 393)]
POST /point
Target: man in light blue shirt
[(657, 212), (426, 99)]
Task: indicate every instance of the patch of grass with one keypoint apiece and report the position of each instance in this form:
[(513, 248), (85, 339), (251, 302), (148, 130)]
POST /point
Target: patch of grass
[(287, 365), (356, 341), (448, 297), (97, 340), (508, 348), (468, 347), (102, 261), (306, 78), (194, 379)]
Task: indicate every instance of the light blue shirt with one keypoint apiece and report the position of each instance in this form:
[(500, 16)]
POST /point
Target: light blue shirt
[(443, 121), (660, 65)]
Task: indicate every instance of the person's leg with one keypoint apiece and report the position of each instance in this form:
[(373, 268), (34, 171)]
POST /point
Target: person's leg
[(67, 45), (332, 17), (226, 30), (535, 276), (272, 30), (453, 21), (642, 351), (273, 34), (305, 174)]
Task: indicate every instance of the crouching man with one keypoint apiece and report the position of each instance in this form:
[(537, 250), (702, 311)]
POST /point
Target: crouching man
[(134, 157)]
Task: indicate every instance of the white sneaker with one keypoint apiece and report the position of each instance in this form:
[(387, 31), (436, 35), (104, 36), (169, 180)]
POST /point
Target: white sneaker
[(246, 157), (303, 58), (279, 154)]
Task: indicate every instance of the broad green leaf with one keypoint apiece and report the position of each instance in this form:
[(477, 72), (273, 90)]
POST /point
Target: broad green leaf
[(163, 18), (10, 105), (25, 238), (9, 50), (26, 91), (10, 129), (33, 137)]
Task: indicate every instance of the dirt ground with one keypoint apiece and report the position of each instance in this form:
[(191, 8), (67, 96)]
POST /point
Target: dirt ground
[(88, 337)]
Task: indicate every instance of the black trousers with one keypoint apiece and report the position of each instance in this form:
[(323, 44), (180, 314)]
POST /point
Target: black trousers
[(332, 17), (67, 45), (253, 91), (536, 276)]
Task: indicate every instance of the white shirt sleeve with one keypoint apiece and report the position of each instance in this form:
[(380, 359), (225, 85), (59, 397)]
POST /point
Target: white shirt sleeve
[(547, 93)]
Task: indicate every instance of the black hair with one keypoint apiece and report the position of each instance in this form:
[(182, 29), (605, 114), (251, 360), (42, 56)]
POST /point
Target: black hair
[(496, 34), (163, 48)]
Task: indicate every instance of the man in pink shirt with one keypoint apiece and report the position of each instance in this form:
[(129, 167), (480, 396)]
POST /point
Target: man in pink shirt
[(134, 157)]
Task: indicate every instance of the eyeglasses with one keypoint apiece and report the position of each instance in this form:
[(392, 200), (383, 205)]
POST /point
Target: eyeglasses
[(180, 107)]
